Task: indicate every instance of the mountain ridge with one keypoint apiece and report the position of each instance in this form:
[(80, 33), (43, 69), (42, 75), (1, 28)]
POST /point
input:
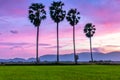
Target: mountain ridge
[(84, 56)]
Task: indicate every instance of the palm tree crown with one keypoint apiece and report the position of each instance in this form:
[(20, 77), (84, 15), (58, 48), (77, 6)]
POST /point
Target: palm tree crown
[(73, 17), (89, 30), (56, 11), (37, 13)]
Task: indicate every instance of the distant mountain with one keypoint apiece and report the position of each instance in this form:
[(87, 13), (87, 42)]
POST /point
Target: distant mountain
[(113, 56), (31, 60), (85, 56), (66, 57), (13, 60)]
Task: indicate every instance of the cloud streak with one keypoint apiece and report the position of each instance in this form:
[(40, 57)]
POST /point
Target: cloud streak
[(22, 44), (14, 31)]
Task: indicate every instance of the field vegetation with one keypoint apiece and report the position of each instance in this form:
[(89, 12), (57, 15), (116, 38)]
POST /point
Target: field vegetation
[(60, 72)]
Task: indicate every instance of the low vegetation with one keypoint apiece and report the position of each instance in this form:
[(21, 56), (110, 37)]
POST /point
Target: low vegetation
[(60, 72)]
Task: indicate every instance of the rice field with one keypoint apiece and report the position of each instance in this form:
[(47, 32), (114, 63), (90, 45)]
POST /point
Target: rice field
[(60, 72)]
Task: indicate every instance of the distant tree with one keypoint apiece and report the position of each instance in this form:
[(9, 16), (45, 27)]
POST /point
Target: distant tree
[(57, 14), (73, 18), (89, 31), (77, 57), (36, 15)]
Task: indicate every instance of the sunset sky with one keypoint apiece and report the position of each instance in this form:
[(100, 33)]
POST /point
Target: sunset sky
[(18, 35)]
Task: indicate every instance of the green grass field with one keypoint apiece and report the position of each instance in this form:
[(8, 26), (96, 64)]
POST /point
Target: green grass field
[(73, 72)]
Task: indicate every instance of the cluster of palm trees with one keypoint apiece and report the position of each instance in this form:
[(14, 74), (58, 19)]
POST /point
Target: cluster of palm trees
[(37, 14)]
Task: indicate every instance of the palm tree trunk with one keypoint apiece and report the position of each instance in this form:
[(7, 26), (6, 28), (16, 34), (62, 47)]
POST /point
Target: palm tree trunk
[(74, 45), (37, 45), (91, 49), (57, 42)]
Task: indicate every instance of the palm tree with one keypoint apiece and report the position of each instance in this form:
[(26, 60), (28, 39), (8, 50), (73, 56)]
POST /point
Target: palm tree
[(57, 14), (89, 31), (73, 18), (36, 15)]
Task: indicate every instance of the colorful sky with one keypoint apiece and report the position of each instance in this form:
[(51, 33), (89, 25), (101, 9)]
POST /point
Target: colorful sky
[(18, 35)]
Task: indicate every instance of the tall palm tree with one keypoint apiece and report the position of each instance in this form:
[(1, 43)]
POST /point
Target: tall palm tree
[(36, 15), (89, 31), (57, 14), (73, 18)]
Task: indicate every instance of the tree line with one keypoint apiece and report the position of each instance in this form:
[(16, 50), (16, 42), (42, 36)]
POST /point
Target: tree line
[(37, 14)]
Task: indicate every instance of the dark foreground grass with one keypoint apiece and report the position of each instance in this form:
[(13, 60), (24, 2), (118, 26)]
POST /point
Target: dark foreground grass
[(77, 72)]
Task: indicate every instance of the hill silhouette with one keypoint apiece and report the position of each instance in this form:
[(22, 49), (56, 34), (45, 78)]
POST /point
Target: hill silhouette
[(84, 56)]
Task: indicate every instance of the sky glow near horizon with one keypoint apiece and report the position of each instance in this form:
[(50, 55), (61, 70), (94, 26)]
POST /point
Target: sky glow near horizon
[(18, 35)]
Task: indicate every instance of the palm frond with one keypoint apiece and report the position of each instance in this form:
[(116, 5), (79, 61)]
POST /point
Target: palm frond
[(89, 30), (56, 12), (73, 17), (37, 13)]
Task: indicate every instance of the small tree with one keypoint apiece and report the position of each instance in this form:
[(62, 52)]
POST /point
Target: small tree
[(76, 57), (89, 31), (73, 18), (36, 15)]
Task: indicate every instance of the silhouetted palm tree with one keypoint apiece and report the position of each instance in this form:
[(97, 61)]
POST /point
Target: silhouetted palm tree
[(57, 14), (89, 31), (36, 15), (73, 18)]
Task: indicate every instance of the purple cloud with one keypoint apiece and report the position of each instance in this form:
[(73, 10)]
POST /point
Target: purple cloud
[(12, 44), (56, 46), (43, 44), (14, 31), (21, 44)]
